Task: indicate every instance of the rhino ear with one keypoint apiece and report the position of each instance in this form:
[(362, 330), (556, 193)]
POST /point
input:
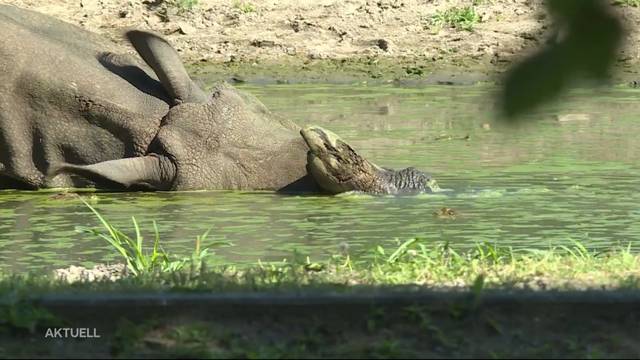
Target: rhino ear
[(156, 172), (166, 63)]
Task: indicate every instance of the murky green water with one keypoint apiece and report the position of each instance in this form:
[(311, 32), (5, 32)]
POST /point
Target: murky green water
[(537, 185)]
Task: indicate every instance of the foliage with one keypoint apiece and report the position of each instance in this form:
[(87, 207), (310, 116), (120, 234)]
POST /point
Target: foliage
[(184, 5), (245, 7), (489, 266), (131, 248), (464, 18), (591, 35), (415, 261), (19, 315)]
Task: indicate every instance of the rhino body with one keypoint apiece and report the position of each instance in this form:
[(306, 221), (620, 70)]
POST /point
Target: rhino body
[(76, 111)]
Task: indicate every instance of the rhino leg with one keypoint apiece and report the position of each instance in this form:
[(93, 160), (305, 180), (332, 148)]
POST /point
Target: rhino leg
[(131, 70), (166, 63)]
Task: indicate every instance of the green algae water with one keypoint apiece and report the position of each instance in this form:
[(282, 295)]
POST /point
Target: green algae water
[(569, 172)]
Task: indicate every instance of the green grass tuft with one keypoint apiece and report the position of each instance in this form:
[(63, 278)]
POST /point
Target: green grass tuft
[(140, 261), (414, 262), (464, 18), (245, 7), (184, 5)]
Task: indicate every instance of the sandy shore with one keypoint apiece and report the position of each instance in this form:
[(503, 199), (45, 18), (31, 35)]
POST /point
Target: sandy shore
[(370, 39)]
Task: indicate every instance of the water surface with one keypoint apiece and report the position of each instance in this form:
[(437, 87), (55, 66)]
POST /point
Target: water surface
[(545, 183)]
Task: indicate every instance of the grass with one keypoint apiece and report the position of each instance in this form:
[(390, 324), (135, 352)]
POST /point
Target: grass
[(184, 5), (244, 7), (407, 332), (567, 267), (415, 262), (420, 333), (138, 260), (463, 18)]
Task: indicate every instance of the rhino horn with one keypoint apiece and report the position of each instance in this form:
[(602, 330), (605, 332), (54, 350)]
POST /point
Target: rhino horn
[(156, 172), (166, 63)]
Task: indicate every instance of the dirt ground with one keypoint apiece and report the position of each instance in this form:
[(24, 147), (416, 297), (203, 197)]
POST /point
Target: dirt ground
[(396, 36), (190, 326)]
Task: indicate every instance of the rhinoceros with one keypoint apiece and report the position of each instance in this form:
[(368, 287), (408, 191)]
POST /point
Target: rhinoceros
[(77, 111)]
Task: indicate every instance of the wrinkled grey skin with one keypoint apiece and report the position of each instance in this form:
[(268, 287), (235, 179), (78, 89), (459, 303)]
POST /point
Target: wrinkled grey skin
[(75, 111)]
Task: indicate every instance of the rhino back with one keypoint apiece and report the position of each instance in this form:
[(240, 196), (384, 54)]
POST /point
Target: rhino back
[(66, 96)]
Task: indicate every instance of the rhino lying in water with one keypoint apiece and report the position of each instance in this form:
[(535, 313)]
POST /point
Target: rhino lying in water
[(75, 112)]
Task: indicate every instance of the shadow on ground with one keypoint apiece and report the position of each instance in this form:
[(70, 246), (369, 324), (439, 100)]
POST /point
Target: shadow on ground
[(375, 322)]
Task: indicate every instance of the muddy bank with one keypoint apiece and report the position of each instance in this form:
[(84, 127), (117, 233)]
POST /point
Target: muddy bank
[(337, 41)]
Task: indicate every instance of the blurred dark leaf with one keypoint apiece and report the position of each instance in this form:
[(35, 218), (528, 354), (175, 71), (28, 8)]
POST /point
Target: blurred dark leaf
[(590, 34)]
